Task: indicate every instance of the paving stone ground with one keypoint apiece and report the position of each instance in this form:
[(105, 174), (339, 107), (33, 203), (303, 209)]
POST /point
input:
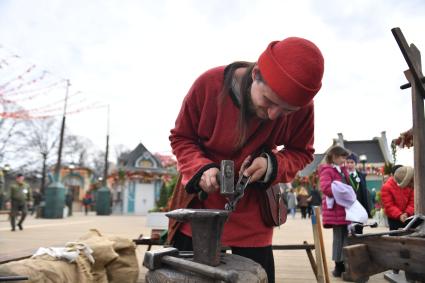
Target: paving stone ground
[(291, 266)]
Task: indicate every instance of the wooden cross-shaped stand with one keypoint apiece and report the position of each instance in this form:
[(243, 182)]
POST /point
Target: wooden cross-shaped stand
[(415, 77)]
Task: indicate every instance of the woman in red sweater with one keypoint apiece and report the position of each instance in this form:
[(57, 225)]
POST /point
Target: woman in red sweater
[(246, 111), (398, 197)]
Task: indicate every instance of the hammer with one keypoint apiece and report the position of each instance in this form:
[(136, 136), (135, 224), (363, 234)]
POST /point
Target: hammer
[(225, 178), (169, 256)]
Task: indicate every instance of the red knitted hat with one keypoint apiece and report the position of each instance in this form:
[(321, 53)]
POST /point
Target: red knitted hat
[(293, 69)]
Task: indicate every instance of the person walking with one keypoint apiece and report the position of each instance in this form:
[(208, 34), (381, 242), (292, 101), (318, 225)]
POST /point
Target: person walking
[(315, 199), (302, 198), (292, 202), (36, 197), (243, 112), (87, 201), (20, 198), (2, 189), (69, 199)]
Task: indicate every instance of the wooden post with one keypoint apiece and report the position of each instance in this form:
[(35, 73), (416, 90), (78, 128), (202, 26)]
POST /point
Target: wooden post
[(322, 267), (414, 75), (419, 144)]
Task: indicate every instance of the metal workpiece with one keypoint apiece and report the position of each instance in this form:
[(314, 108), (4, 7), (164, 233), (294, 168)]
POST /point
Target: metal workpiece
[(238, 194), (415, 227), (207, 227)]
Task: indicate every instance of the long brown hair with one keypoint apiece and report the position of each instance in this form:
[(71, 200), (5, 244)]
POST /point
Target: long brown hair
[(336, 151), (245, 92)]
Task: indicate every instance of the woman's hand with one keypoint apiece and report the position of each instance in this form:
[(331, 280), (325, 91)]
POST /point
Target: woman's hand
[(257, 169), (208, 182)]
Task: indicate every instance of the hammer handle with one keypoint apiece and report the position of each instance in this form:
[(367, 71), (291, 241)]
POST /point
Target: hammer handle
[(199, 268)]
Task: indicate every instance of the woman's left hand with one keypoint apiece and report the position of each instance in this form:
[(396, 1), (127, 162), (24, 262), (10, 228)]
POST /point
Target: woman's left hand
[(257, 169)]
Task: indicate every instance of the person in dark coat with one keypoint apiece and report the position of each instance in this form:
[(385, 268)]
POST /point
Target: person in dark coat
[(315, 199), (36, 196), (87, 201), (357, 180), (68, 202), (20, 198)]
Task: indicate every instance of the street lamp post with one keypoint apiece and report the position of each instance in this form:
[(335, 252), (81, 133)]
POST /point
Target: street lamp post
[(363, 160), (103, 195), (55, 192)]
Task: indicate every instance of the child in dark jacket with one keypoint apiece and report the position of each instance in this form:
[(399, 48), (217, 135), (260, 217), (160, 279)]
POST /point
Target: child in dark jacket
[(358, 183)]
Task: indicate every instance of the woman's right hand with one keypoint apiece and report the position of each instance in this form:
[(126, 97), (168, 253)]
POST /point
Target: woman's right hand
[(208, 182)]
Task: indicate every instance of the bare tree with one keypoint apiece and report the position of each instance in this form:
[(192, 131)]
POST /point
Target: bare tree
[(12, 132), (98, 163), (79, 150), (41, 144), (121, 151)]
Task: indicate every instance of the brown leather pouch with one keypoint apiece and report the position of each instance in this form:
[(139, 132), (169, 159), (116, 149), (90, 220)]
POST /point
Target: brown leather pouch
[(272, 206)]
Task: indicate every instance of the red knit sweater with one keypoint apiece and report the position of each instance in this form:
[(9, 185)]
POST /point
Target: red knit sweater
[(205, 133)]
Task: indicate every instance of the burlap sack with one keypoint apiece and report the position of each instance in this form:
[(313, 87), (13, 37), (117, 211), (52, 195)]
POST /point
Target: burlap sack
[(103, 253), (46, 269), (125, 268), (115, 261)]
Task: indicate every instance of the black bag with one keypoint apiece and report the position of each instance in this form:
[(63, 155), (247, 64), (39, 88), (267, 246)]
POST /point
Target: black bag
[(272, 206)]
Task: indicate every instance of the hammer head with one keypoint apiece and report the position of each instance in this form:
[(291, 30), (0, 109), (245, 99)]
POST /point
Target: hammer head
[(153, 259), (226, 178)]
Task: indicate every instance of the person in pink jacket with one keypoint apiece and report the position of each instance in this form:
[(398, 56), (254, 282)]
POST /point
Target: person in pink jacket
[(333, 214)]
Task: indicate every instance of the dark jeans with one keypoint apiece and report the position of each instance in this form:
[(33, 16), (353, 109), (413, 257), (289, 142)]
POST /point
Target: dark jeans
[(395, 224), (86, 209), (16, 207), (262, 255), (303, 212), (69, 210)]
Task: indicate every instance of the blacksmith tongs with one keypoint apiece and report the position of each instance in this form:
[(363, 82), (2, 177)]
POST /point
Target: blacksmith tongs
[(240, 187)]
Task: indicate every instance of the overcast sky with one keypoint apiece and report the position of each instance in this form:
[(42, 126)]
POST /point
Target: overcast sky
[(141, 57)]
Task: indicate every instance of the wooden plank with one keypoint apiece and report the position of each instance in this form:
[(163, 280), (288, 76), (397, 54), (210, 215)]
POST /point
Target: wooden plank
[(322, 244), (411, 57), (406, 253), (294, 247), (311, 259), (322, 272), (360, 263)]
